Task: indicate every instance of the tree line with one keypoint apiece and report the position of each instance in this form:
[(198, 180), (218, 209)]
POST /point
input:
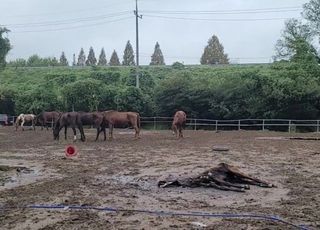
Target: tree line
[(287, 88)]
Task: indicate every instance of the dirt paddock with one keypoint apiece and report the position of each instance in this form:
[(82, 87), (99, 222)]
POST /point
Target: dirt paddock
[(123, 173)]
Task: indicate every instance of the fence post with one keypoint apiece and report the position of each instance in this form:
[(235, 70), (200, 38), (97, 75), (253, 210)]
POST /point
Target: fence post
[(263, 125), (289, 128), (216, 125), (317, 126), (195, 124), (154, 123), (239, 125)]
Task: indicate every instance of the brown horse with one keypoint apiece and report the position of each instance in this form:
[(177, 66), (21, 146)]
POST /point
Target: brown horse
[(179, 120), (72, 119), (22, 118), (224, 177), (47, 117), (96, 120), (115, 118)]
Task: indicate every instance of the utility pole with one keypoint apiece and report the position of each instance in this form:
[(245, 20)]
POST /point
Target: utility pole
[(136, 13)]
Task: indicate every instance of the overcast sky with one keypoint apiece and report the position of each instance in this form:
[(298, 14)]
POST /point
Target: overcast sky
[(248, 29)]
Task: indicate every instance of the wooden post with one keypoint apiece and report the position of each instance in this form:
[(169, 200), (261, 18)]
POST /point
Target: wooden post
[(154, 123), (239, 125), (289, 128), (317, 126), (216, 125), (195, 124), (263, 125)]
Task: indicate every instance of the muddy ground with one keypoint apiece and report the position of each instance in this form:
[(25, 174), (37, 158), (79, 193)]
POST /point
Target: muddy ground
[(123, 173)]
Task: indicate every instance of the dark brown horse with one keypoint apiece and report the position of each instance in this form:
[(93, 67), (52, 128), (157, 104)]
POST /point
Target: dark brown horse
[(179, 120), (72, 119), (115, 118), (224, 177), (96, 120), (47, 117)]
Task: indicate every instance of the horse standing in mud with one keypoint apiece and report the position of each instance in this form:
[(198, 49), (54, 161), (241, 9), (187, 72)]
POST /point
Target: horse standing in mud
[(45, 117), (96, 120), (115, 118), (23, 118), (179, 120), (72, 119)]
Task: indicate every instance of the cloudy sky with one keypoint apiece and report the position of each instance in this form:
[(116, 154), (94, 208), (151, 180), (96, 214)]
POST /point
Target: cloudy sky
[(248, 29)]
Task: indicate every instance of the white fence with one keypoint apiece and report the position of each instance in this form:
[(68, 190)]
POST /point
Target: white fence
[(248, 124), (253, 124)]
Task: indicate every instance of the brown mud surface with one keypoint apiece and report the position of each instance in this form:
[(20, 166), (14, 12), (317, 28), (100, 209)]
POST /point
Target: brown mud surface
[(123, 173)]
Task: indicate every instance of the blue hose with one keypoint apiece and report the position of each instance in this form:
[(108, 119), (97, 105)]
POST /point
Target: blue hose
[(161, 213)]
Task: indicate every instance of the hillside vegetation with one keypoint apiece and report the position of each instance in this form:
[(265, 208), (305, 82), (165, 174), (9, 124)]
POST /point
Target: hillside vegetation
[(279, 90)]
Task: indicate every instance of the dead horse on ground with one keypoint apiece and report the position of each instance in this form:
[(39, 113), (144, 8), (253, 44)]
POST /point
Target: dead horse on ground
[(224, 177)]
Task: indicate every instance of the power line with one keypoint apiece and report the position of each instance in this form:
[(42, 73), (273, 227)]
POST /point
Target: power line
[(68, 21), (73, 27), (70, 11), (215, 19), (219, 12)]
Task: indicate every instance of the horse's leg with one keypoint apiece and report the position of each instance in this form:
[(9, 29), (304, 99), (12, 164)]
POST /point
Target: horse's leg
[(110, 131), (74, 133), (180, 131), (22, 124), (83, 138), (136, 135), (174, 129), (98, 133), (104, 134), (65, 132), (249, 179), (221, 187), (34, 125), (226, 183)]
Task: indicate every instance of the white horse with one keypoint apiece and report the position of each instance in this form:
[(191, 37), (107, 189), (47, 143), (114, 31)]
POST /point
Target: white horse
[(25, 118)]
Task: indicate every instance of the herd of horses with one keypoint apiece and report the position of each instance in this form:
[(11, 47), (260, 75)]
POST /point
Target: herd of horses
[(99, 120)]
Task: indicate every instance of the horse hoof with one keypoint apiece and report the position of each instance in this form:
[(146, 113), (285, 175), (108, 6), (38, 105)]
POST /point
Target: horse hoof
[(247, 187)]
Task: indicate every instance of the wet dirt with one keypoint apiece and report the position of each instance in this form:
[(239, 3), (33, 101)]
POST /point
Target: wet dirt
[(124, 173)]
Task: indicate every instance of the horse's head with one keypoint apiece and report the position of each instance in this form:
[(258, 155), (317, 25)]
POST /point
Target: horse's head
[(56, 129)]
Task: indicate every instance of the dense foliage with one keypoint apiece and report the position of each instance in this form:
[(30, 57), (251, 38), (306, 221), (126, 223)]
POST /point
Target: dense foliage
[(280, 90)]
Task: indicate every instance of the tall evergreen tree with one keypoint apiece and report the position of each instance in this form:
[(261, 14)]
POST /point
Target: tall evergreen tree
[(63, 60), (74, 60), (214, 53), (102, 58), (114, 60), (91, 58), (128, 55), (81, 58), (157, 57), (4, 47)]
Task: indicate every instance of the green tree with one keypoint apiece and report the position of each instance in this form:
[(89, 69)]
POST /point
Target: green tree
[(91, 58), (63, 60), (128, 55), (4, 47), (102, 58), (74, 63), (114, 60), (157, 57), (311, 12), (20, 62), (130, 99), (214, 53), (7, 101), (83, 95), (34, 60), (81, 58), (295, 44)]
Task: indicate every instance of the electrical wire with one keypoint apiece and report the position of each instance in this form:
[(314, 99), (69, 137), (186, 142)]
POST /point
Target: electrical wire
[(162, 213), (73, 27)]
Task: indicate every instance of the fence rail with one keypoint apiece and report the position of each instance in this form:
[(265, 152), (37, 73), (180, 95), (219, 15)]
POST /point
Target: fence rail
[(290, 125)]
